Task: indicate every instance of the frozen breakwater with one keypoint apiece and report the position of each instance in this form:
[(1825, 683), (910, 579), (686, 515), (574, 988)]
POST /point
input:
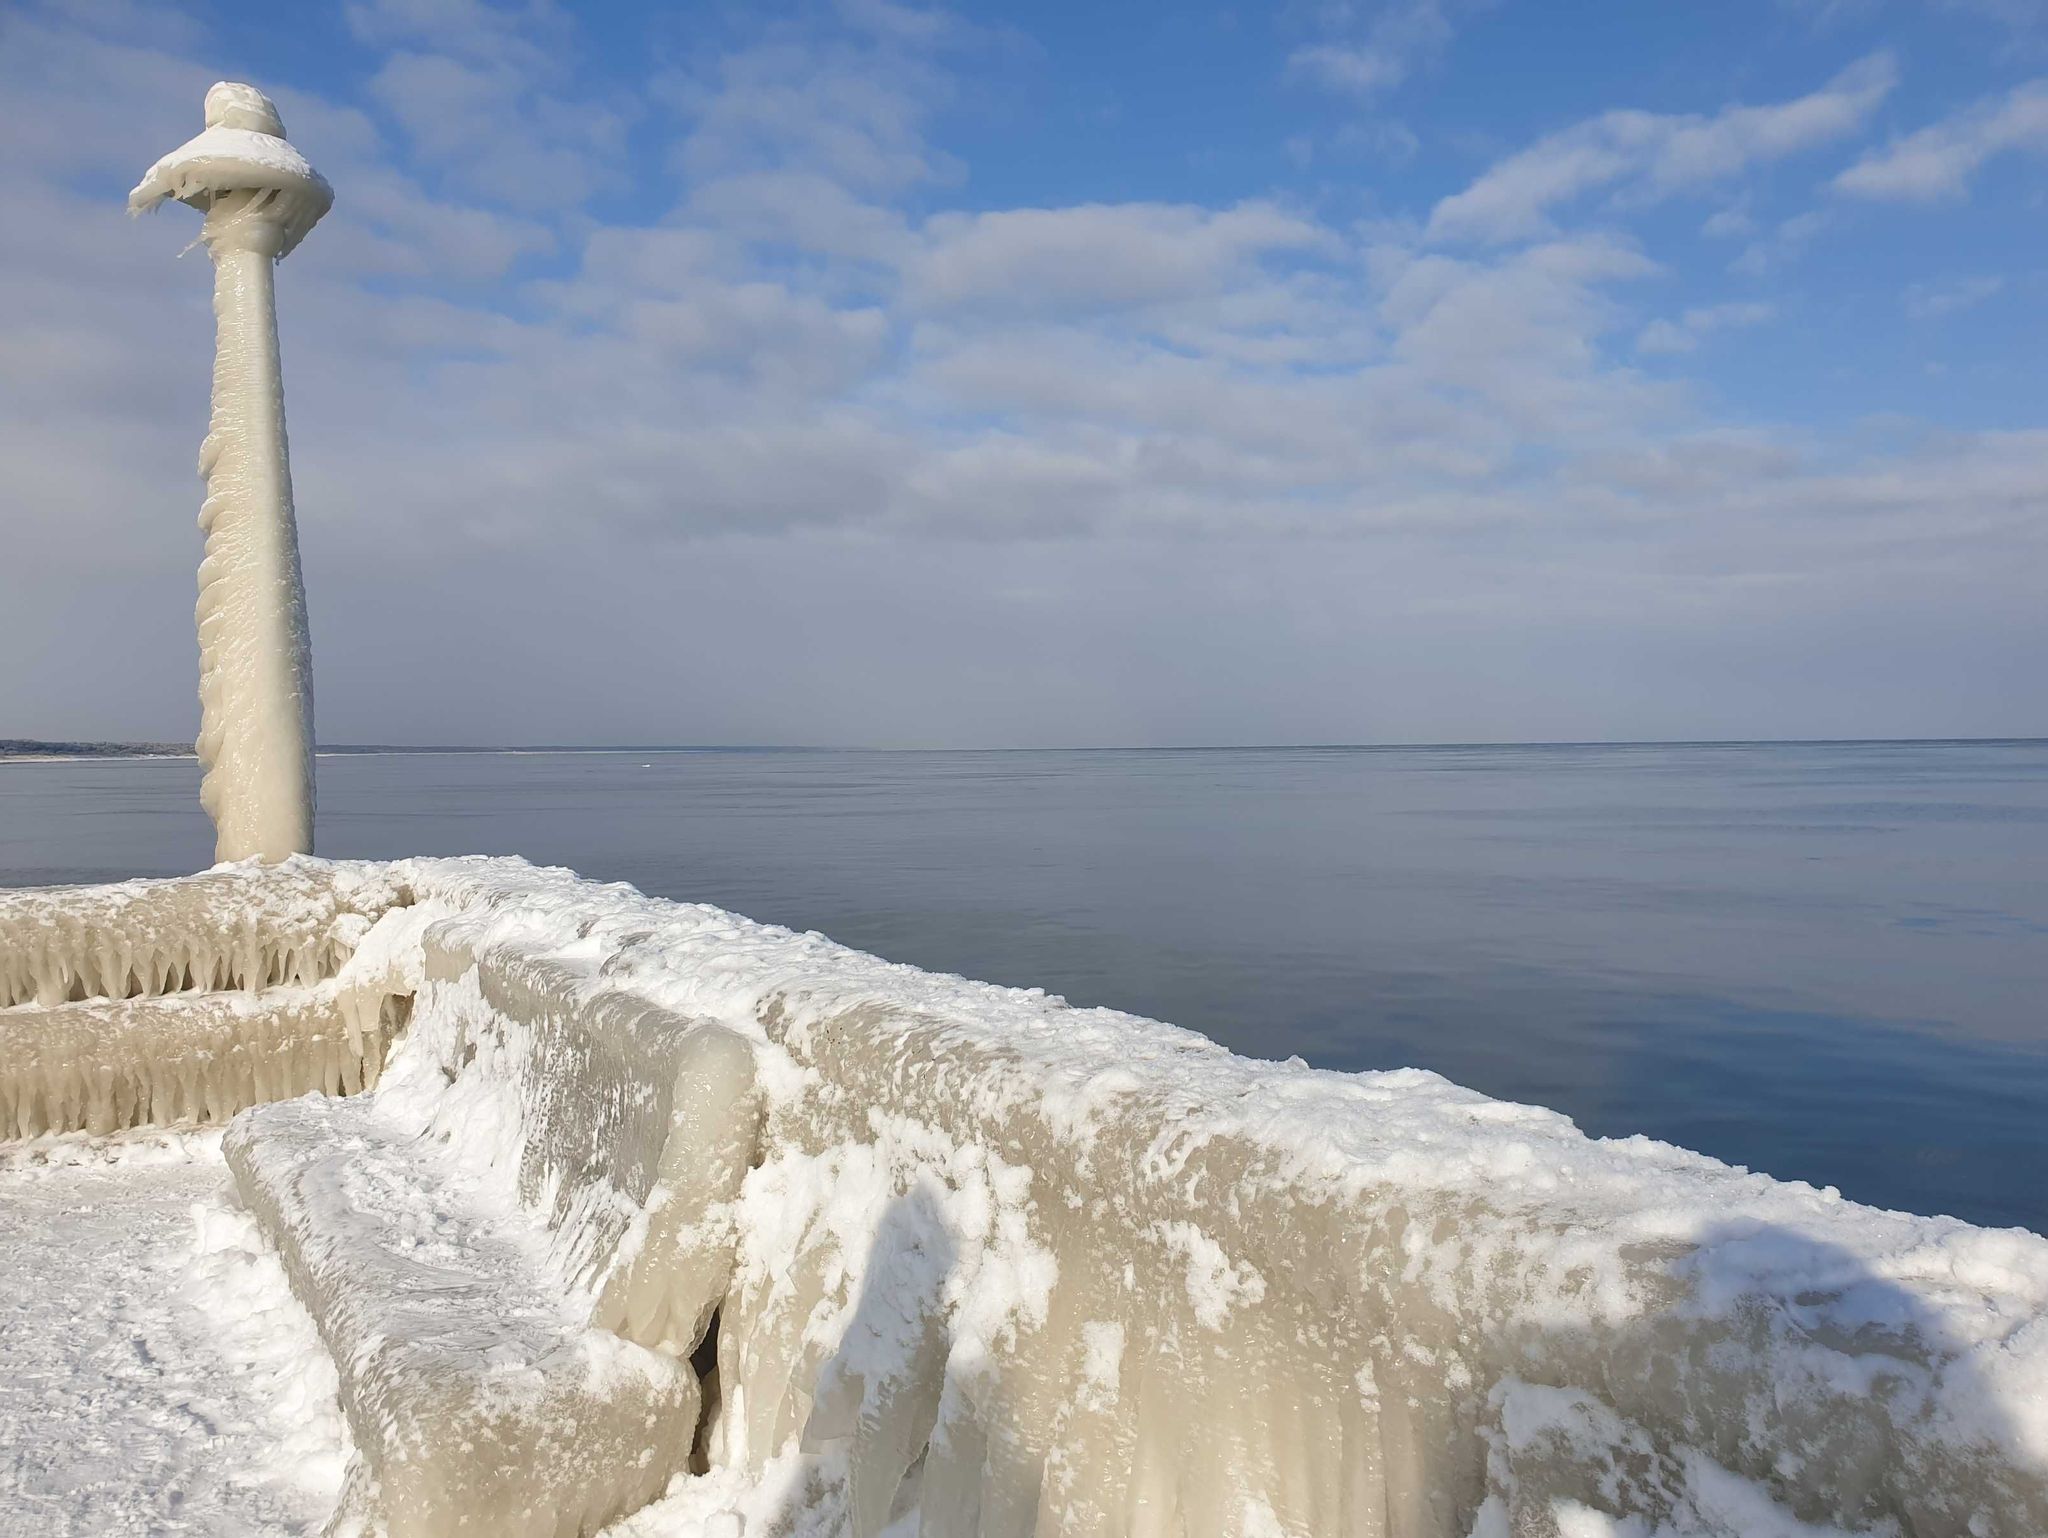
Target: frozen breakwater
[(651, 1203)]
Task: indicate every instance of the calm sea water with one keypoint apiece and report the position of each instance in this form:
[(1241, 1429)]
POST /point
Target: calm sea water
[(1825, 961)]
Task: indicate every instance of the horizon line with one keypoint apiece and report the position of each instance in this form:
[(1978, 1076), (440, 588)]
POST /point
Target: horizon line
[(138, 748)]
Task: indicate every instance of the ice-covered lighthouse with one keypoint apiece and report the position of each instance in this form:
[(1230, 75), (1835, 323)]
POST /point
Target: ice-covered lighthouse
[(260, 197)]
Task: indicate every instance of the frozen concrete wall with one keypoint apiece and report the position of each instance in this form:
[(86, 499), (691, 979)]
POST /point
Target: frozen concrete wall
[(1012, 1267), (983, 1263), (514, 1247)]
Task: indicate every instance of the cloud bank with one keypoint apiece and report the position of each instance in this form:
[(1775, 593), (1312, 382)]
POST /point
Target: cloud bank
[(812, 446)]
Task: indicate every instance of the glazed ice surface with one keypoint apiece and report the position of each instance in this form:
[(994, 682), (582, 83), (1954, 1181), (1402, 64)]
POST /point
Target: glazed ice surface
[(260, 197)]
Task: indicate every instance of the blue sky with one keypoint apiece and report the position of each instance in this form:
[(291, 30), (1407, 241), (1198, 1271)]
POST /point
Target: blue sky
[(876, 373)]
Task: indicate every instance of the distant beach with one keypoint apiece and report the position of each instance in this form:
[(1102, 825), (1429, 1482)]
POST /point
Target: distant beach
[(30, 750)]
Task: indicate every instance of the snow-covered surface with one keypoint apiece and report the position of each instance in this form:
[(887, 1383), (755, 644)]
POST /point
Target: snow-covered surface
[(1006, 1266), (158, 1377)]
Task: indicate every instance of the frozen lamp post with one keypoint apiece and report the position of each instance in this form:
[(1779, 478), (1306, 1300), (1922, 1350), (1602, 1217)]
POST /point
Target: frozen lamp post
[(260, 197)]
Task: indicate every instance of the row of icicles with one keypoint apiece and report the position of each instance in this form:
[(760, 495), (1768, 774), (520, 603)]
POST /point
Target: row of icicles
[(196, 1059), (66, 967)]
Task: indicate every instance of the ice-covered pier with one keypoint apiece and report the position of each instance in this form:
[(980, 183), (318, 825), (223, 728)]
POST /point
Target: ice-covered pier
[(641, 1202), (602, 1205)]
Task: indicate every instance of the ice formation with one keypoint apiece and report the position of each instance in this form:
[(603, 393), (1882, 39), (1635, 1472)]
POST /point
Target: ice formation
[(260, 197), (154, 1002), (514, 1247), (649, 1194)]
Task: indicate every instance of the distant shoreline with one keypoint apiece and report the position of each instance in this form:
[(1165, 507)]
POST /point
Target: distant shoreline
[(34, 751), (30, 750)]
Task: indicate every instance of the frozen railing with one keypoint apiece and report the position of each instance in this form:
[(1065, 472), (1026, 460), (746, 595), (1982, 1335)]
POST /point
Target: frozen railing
[(244, 927), (187, 1000), (959, 1260)]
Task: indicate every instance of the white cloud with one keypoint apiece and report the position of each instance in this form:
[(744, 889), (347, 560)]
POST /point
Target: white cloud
[(798, 458), (1522, 336), (1683, 334), (1781, 245), (1931, 301), (494, 132), (1361, 70), (1097, 255), (479, 90), (1730, 222), (2018, 16), (1654, 155), (1366, 54), (1390, 142), (522, 36), (851, 109), (1937, 162)]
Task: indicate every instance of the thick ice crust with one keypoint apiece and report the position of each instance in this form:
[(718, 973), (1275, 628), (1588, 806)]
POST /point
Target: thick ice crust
[(513, 1248), (241, 926), (222, 161), (1012, 1267), (625, 1128), (102, 1065), (187, 1000), (255, 743), (479, 1398), (1172, 1324), (983, 1263), (241, 156)]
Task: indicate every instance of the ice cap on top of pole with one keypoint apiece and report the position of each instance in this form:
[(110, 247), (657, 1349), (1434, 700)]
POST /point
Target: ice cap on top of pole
[(241, 150)]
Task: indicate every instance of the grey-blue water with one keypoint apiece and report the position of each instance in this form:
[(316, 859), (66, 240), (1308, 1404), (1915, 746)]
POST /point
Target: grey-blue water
[(1826, 961)]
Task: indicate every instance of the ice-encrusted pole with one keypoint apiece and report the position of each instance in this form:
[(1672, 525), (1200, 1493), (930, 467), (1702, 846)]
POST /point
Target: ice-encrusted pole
[(255, 746)]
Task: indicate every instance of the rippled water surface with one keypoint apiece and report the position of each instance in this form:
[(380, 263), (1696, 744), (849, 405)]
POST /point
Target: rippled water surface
[(1827, 961)]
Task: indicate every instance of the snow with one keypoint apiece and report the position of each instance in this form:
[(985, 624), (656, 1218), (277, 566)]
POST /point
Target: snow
[(990, 1263), (1215, 1284), (159, 1376)]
